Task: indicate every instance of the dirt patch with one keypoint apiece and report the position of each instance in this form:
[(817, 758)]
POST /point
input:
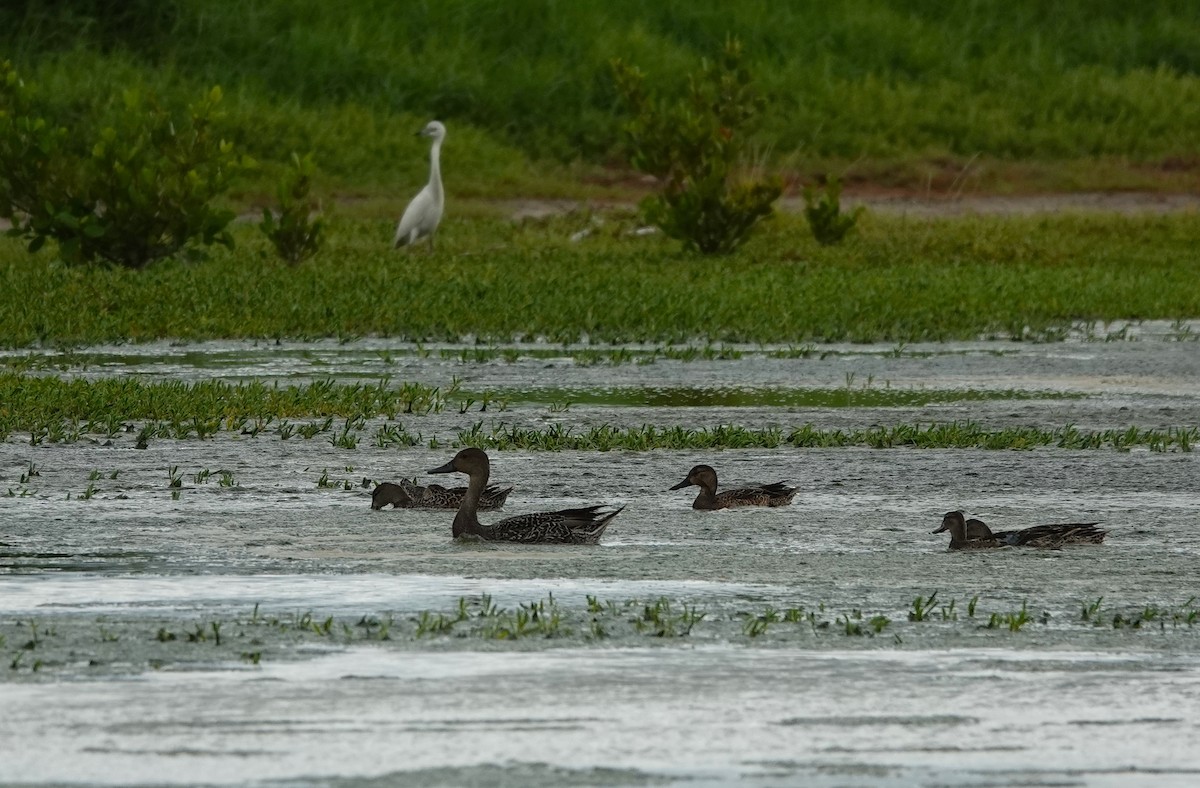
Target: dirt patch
[(1023, 205), (903, 203), (890, 202)]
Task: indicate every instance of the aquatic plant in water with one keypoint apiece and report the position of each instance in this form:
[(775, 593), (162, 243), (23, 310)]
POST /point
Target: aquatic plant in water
[(259, 636)]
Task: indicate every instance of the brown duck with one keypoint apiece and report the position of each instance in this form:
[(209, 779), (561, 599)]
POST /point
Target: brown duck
[(974, 534), (410, 495), (566, 526), (704, 477)]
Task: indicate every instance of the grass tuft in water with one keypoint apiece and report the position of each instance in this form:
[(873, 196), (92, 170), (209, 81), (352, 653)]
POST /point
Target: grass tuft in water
[(260, 635), (922, 607), (557, 437), (1013, 621)]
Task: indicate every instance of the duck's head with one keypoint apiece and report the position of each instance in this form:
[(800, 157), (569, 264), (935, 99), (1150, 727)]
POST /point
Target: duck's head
[(389, 494), (702, 476), (950, 520), (470, 461)]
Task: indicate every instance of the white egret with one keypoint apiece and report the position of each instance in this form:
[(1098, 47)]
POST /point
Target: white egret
[(423, 214)]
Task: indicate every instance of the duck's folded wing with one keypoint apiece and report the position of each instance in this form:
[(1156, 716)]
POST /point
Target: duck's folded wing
[(780, 493), (565, 526), (744, 496), (1057, 534), (1079, 533)]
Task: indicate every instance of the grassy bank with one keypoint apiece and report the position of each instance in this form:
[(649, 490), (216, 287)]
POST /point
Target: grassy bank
[(889, 81), (897, 280)]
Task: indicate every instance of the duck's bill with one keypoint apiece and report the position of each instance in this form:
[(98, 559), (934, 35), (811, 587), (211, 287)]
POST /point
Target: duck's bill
[(682, 484), (941, 528), (447, 468)]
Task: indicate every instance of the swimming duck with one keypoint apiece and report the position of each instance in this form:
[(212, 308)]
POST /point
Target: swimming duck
[(971, 534), (566, 526), (410, 495), (704, 477)]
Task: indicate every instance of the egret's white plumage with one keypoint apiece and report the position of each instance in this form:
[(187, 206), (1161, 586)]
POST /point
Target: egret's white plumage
[(423, 214)]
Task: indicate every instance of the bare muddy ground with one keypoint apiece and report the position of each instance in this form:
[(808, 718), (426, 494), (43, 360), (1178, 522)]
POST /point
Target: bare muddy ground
[(272, 629), (902, 202), (935, 205)]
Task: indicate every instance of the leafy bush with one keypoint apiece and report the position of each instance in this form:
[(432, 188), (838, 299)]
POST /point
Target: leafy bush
[(824, 213), (694, 145), (136, 190), (294, 235)]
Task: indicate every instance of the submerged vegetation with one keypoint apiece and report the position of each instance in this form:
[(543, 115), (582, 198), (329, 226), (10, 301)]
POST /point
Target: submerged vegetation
[(28, 399), (41, 644), (53, 410), (956, 435)]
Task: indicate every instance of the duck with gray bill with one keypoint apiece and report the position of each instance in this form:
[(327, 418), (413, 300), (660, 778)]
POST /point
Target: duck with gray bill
[(566, 526), (974, 534), (704, 477), (407, 494)]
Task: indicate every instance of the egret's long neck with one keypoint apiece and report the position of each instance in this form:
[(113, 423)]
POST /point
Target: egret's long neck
[(435, 169), (466, 521)]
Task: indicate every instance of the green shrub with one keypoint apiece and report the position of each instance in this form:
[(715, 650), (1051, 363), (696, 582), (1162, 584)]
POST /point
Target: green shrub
[(294, 235), (133, 191), (694, 145), (824, 213)]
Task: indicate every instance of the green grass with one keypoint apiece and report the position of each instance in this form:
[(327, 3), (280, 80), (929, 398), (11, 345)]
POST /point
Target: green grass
[(52, 410), (888, 80), (947, 435), (897, 280)]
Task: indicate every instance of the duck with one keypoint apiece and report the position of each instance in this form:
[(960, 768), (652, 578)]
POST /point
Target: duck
[(584, 525), (980, 537), (704, 477), (972, 534), (407, 494)]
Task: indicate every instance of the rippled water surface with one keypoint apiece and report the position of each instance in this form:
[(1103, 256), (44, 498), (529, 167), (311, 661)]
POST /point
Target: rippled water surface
[(272, 629)]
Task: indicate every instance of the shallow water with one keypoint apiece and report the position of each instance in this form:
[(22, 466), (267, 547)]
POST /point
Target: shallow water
[(629, 717), (114, 598)]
